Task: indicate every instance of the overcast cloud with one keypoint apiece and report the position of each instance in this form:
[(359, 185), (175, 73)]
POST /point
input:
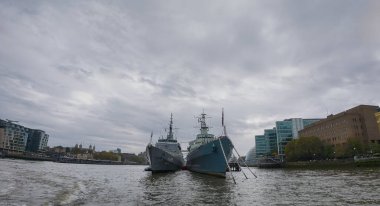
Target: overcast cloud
[(110, 72)]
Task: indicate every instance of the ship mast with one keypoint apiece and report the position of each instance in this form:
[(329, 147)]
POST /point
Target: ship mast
[(170, 134), (202, 120), (224, 126)]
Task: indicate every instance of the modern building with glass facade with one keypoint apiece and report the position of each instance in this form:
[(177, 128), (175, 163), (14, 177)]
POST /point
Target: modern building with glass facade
[(13, 137), (37, 140), (266, 145), (271, 137), (17, 138), (288, 129), (261, 145)]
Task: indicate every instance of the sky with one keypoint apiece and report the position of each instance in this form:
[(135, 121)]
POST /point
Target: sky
[(108, 73)]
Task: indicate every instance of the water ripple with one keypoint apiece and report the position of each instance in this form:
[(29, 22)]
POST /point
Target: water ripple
[(48, 183)]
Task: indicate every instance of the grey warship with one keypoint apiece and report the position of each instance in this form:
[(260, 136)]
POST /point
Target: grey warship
[(165, 155), (208, 154)]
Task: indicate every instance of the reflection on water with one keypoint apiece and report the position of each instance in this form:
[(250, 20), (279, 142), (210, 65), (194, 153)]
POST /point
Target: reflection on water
[(210, 190), (158, 188), (186, 188), (48, 183)]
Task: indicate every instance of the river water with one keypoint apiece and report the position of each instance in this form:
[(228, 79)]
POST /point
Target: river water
[(48, 183)]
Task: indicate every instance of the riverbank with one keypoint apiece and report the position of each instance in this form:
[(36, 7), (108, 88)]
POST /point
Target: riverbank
[(88, 161), (41, 157), (28, 157), (332, 164)]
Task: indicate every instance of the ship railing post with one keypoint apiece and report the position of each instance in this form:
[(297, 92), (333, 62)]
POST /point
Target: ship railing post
[(243, 160), (225, 158)]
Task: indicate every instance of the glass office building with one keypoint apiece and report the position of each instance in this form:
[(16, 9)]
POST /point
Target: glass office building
[(37, 140), (288, 129), (261, 145), (17, 138), (13, 136), (271, 137), (266, 144)]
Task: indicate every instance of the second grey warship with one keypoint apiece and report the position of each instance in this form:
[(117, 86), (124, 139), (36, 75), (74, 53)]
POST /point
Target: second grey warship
[(165, 155)]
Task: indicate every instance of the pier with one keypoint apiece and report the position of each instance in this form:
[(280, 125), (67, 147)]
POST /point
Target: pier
[(235, 167)]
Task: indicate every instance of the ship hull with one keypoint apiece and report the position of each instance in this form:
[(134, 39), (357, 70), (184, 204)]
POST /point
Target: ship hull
[(209, 158), (162, 161)]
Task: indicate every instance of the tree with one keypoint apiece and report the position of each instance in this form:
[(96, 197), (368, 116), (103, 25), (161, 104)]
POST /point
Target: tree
[(328, 151), (105, 156), (340, 151), (374, 148), (290, 151), (306, 148), (354, 147)]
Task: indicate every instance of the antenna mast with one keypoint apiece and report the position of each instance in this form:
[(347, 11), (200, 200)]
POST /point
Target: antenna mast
[(202, 120), (170, 134), (224, 126)]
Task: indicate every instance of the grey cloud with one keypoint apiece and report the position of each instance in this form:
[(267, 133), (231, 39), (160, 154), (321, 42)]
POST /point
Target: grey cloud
[(77, 72), (110, 73)]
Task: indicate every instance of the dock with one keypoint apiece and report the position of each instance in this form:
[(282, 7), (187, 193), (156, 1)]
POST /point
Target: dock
[(235, 167)]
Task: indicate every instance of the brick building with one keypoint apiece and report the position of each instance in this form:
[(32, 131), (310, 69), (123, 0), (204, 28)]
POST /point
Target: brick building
[(358, 122), (377, 115)]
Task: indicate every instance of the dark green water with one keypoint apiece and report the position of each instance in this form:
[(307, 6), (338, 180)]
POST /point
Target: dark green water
[(48, 183)]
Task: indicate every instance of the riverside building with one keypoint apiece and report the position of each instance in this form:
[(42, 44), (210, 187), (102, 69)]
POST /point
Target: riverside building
[(17, 138), (37, 140), (266, 144), (288, 129), (358, 122), (261, 145), (13, 137), (377, 115)]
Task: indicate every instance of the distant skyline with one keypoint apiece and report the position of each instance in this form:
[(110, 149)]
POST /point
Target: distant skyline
[(110, 72)]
